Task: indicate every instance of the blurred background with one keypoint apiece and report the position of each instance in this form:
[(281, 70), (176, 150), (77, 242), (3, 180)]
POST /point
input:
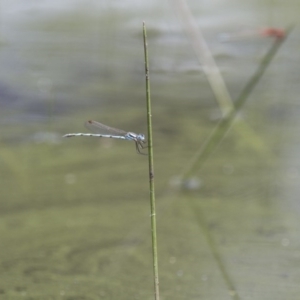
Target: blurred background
[(75, 212)]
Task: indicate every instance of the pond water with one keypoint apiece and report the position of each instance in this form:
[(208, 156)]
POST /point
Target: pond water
[(75, 213)]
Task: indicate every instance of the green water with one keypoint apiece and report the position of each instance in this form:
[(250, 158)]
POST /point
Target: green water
[(75, 212)]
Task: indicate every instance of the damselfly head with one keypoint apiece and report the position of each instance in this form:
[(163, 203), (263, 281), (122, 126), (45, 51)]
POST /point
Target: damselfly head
[(141, 137)]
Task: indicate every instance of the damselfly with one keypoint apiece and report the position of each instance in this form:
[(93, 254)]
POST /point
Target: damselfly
[(246, 34), (102, 130)]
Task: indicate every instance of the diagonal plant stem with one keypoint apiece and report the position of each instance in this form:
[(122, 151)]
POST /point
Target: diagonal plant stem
[(200, 219), (212, 72), (151, 170), (224, 125), (205, 57)]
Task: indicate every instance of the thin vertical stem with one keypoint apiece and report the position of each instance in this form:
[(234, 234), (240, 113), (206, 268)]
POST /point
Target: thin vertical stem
[(151, 170)]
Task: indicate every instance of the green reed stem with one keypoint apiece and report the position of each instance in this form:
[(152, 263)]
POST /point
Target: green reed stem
[(151, 169)]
